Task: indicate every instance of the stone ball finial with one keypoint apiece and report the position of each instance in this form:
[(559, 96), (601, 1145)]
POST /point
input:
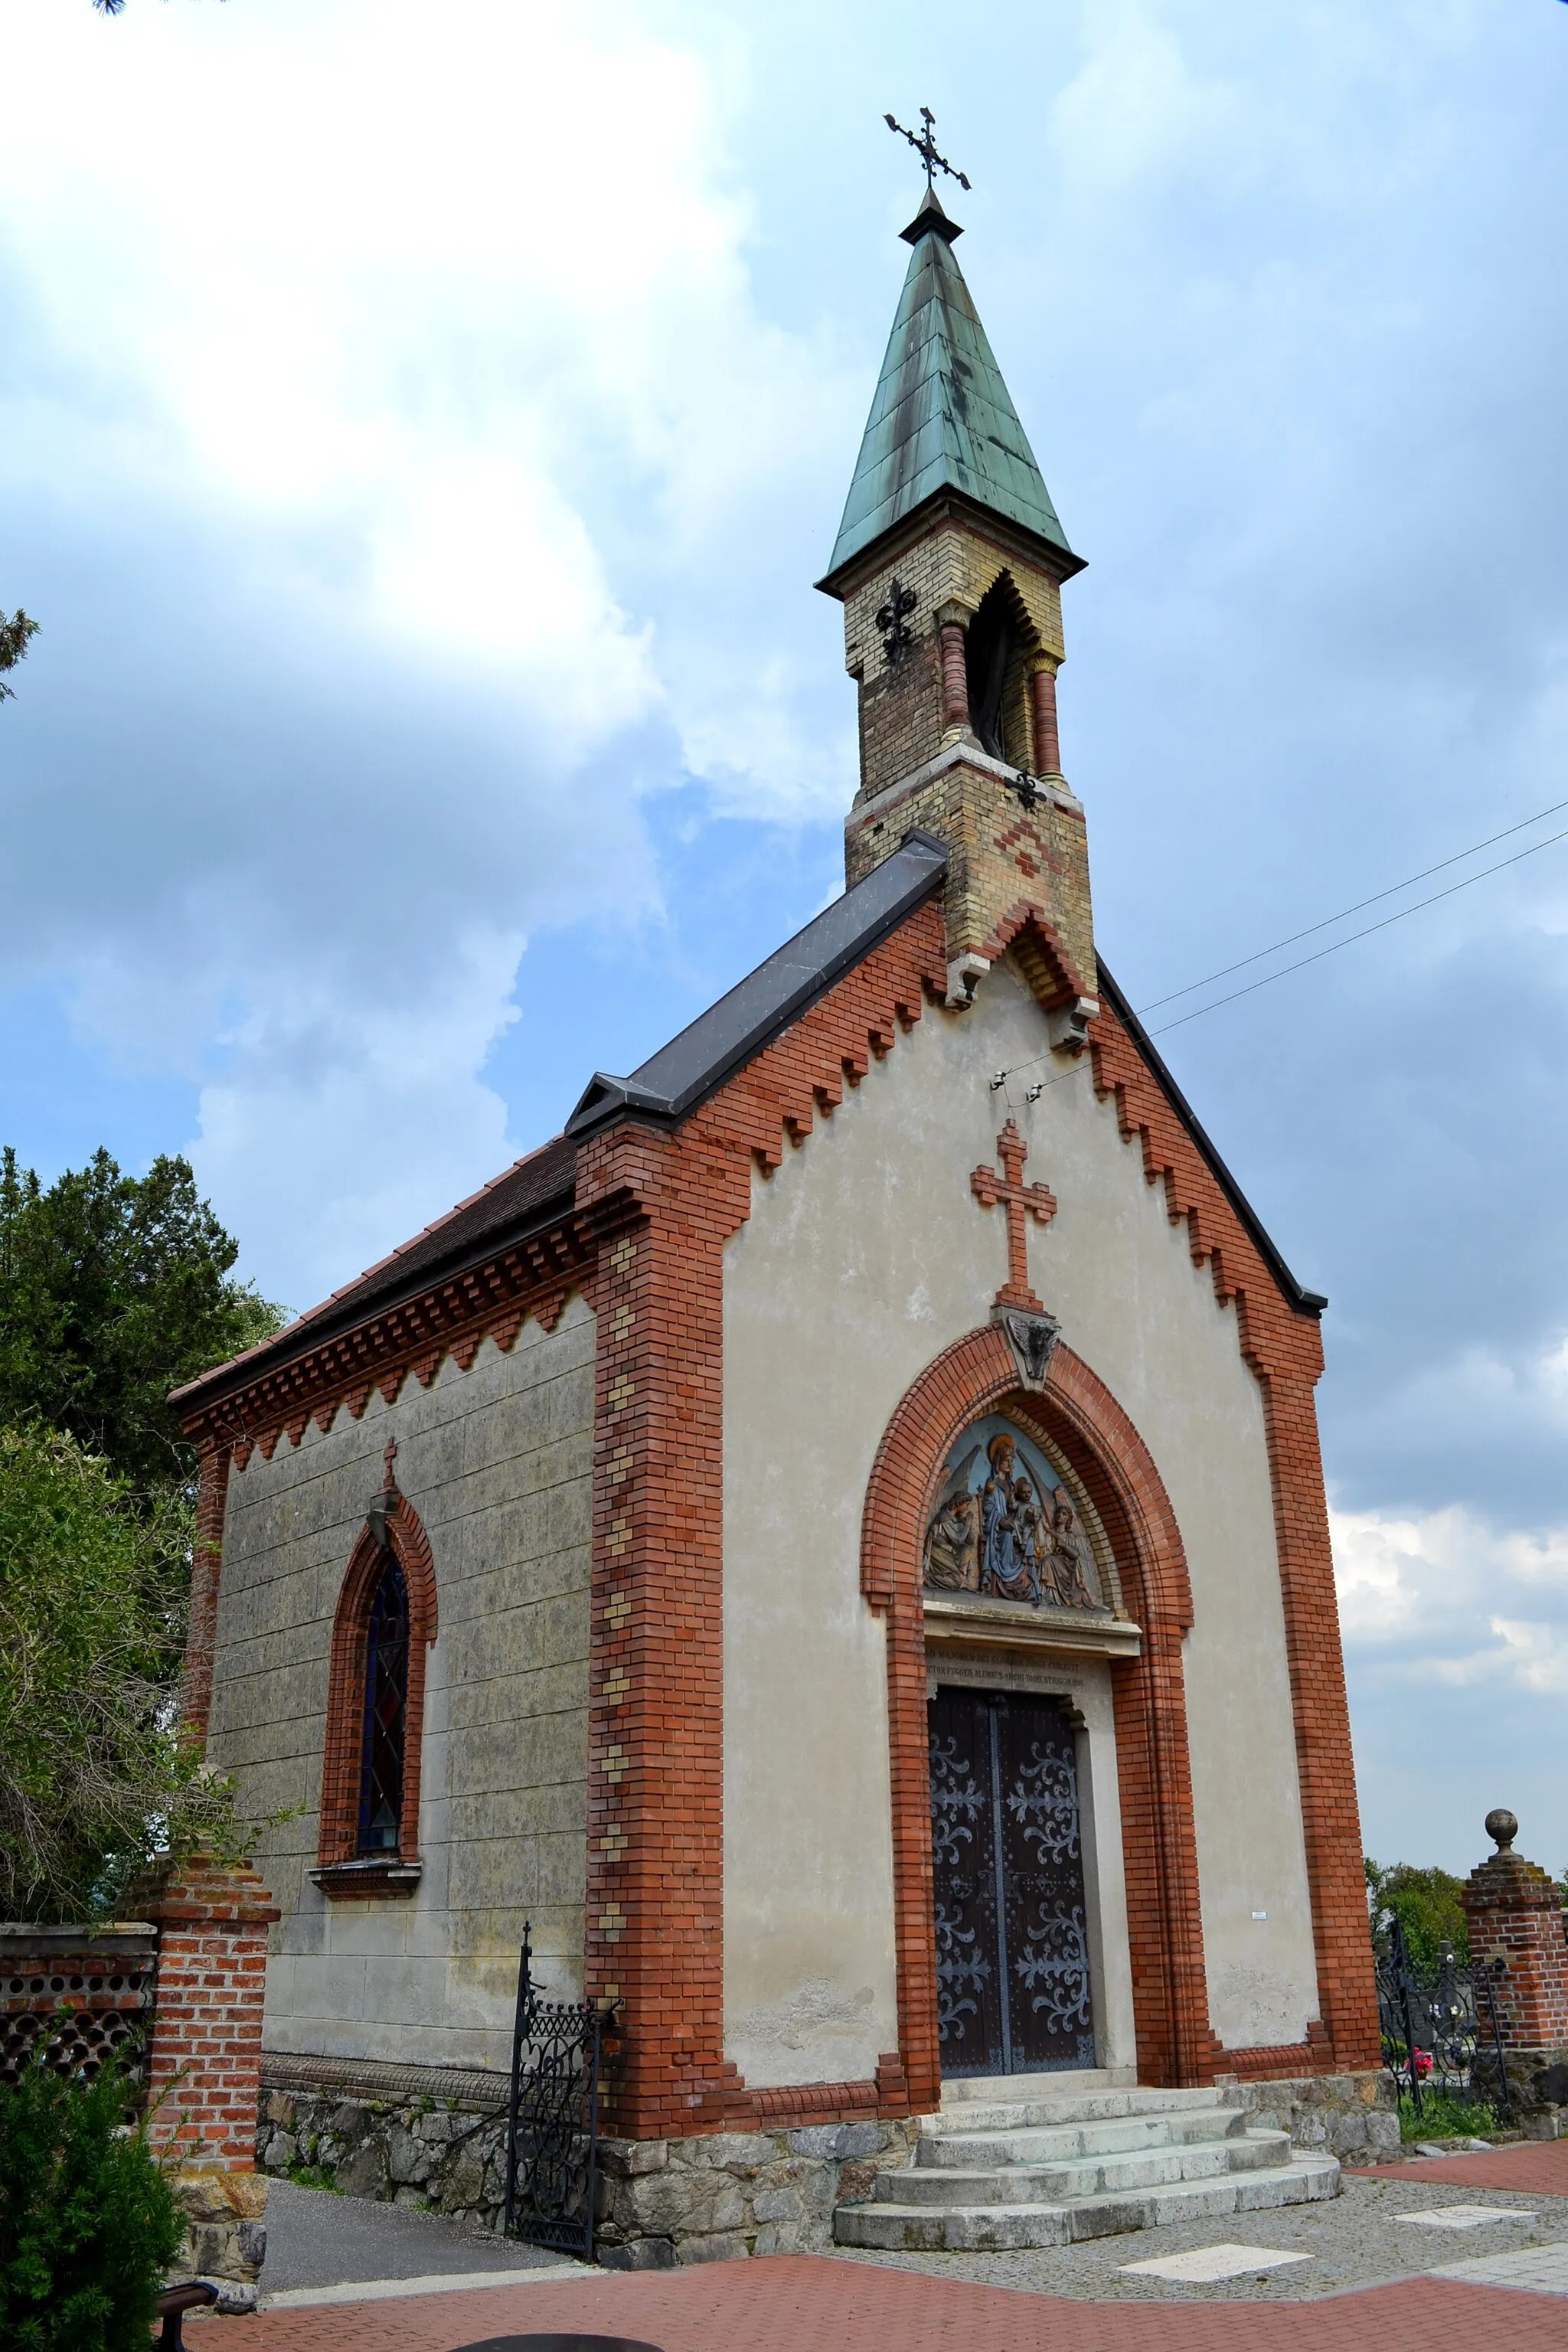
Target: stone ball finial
[(1502, 1828)]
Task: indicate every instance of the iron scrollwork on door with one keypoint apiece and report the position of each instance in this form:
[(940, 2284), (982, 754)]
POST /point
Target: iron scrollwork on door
[(552, 2118), (1012, 1944)]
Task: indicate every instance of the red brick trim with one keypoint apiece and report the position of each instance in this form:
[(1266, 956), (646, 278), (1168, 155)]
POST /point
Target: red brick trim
[(1079, 1415), (1038, 950), (206, 1570), (491, 1300), (343, 1754), (1283, 2061), (657, 1208), (1284, 1349)]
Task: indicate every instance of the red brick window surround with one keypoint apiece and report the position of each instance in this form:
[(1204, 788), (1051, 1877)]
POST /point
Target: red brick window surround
[(384, 1624)]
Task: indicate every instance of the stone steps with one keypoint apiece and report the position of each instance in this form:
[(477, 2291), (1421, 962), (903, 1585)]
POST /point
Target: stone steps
[(1043, 2144), (1045, 2169), (999, 2228), (1090, 2176)]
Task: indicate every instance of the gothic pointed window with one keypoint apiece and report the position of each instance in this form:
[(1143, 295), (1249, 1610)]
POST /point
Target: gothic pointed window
[(386, 1714), (384, 1627)]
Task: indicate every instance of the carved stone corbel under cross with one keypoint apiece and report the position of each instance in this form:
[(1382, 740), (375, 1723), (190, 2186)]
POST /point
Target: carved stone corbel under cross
[(1033, 1340)]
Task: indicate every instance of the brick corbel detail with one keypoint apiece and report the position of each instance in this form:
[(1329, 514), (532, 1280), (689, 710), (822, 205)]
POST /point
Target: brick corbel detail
[(1283, 1346), (656, 1209), (452, 1319), (205, 2060), (343, 1756), (1040, 953), (1079, 1415)]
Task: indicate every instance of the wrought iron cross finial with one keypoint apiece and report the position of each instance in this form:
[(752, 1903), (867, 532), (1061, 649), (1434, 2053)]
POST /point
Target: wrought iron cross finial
[(925, 148)]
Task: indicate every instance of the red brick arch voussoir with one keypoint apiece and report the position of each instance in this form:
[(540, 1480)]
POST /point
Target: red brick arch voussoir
[(1075, 1410), (409, 1544)]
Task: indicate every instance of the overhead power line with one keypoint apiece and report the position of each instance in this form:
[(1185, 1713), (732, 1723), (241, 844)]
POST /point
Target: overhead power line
[(1345, 912), (1335, 945), (1351, 937)]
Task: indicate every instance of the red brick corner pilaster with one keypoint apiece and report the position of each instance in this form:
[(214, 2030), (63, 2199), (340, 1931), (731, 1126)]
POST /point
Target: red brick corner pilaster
[(205, 2062), (343, 1755), (654, 1208), (206, 1569), (1080, 1416)]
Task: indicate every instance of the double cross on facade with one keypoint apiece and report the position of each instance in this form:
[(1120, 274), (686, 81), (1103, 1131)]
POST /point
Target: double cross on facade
[(1021, 1202)]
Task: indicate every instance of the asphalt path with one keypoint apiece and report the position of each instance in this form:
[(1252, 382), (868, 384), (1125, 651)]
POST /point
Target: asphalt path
[(315, 2238)]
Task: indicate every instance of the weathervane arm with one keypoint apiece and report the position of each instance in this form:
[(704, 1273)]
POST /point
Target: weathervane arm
[(925, 148)]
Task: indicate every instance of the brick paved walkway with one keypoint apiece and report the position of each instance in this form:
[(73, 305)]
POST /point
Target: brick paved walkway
[(803, 2303), (1533, 2167)]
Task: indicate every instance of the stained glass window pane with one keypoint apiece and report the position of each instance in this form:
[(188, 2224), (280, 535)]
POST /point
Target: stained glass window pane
[(385, 1715)]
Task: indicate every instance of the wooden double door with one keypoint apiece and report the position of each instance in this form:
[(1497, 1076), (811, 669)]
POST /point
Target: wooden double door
[(1012, 1949)]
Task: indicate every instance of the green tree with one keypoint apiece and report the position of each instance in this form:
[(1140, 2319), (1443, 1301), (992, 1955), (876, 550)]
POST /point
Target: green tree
[(15, 634), (113, 1290), (88, 2221), (1427, 1903), (96, 1781)]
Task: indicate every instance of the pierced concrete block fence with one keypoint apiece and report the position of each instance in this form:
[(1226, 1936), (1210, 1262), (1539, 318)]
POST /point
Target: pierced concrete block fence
[(177, 1993)]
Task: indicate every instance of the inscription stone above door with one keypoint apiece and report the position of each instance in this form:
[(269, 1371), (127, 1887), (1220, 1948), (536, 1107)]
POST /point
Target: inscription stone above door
[(1012, 1946)]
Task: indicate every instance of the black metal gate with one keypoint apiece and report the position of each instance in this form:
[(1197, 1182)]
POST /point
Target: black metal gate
[(1440, 2027), (552, 2118), (1012, 1949)]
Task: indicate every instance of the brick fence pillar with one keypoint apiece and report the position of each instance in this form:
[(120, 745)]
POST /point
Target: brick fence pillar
[(1514, 1914), (204, 2068)]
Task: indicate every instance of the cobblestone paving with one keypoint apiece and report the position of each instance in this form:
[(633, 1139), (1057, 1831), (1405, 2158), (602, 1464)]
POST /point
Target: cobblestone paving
[(1352, 2239)]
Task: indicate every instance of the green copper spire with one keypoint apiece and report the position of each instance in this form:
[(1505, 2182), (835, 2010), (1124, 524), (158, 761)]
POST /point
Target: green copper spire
[(941, 419)]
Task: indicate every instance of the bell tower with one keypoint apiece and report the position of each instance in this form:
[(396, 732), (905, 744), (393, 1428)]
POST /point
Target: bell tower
[(948, 564)]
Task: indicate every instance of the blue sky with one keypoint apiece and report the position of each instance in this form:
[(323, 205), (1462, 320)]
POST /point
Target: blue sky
[(421, 428)]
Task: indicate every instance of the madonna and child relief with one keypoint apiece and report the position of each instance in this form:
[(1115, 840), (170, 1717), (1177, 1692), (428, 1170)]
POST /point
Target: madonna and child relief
[(1005, 1527)]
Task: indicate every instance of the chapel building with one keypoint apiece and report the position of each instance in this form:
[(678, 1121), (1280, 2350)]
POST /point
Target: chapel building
[(835, 1539)]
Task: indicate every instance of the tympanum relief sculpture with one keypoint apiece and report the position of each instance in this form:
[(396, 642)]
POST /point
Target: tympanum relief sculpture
[(1005, 1527)]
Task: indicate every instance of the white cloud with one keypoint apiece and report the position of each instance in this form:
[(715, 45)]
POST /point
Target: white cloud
[(1435, 1596), (436, 331)]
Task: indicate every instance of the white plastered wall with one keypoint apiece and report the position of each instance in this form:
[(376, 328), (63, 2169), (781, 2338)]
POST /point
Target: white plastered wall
[(498, 1461), (865, 1256)]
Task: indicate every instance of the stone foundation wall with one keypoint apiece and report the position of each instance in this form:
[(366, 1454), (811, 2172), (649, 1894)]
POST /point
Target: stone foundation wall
[(428, 2153), (1352, 2116), (673, 2201), (661, 2202), (666, 2203)]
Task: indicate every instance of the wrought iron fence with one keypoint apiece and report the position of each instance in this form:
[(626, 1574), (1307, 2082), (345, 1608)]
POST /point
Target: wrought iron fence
[(552, 2116), (1441, 2030)]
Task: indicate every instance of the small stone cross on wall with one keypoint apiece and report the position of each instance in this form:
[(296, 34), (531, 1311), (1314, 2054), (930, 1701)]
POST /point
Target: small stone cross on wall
[(1021, 1201)]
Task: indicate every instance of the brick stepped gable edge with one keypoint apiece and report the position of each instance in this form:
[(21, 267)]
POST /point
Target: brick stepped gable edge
[(1049, 2171)]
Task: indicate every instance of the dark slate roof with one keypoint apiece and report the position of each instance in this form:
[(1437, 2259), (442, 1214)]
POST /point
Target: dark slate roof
[(539, 1189), (720, 1041), (1307, 1302), (941, 419), (532, 1192)]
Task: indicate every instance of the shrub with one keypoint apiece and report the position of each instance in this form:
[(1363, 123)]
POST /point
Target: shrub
[(88, 2224), (95, 1779), (1428, 1904)]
